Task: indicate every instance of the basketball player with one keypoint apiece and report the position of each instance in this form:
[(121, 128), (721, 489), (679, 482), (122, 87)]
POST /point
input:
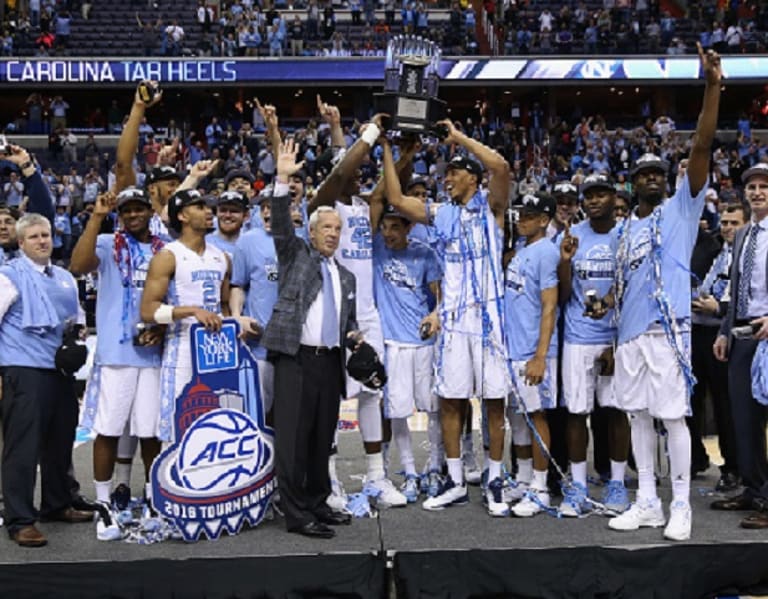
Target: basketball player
[(188, 281), (340, 189), (124, 388)]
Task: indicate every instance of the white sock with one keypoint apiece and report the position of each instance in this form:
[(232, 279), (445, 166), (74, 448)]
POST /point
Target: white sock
[(103, 489), (643, 442), (375, 462), (494, 470), (369, 416), (524, 470), (148, 492), (579, 472), (455, 470), (679, 459), (332, 467), (434, 435), (618, 470), (123, 474), (402, 437), (539, 482)]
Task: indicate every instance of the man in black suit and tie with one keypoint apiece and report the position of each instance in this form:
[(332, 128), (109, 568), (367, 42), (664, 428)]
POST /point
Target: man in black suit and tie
[(748, 307), (314, 314)]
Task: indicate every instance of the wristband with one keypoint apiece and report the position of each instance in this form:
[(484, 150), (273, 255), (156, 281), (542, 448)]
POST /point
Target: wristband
[(371, 134), (280, 189), (164, 314)]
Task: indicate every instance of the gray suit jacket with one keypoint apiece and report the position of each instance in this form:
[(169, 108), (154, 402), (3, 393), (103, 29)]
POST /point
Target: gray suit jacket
[(738, 247), (299, 281)]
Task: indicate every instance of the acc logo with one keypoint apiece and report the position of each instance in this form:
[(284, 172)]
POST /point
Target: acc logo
[(219, 471)]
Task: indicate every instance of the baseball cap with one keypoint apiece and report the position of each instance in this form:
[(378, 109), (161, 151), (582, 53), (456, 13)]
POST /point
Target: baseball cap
[(539, 202), (649, 161), (233, 197), (162, 173), (391, 212), (364, 366), (133, 194), (239, 173), (597, 181), (178, 201), (416, 181), (565, 188), (761, 168), (462, 162)]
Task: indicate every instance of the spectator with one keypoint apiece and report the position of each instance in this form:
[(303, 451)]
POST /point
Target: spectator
[(329, 22), (564, 40), (58, 109), (733, 38), (204, 16), (91, 152), (275, 40), (13, 190), (69, 146), (355, 9), (296, 33), (175, 36), (63, 28), (313, 20)]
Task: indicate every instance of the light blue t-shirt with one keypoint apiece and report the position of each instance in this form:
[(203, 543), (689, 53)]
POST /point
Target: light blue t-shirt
[(679, 216), (399, 281), (111, 348), (593, 268), (532, 270), (228, 247), (254, 269)]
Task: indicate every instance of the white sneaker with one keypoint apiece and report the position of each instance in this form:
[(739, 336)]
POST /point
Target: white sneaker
[(107, 527), (646, 512), (514, 491), (494, 498), (531, 504), (337, 500), (450, 494), (679, 525), (390, 496)]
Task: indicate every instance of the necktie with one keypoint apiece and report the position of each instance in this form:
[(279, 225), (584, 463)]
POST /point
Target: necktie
[(329, 333), (745, 279), (48, 271)]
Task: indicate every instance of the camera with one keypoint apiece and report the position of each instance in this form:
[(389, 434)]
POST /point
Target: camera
[(745, 332), (591, 302), (425, 331)]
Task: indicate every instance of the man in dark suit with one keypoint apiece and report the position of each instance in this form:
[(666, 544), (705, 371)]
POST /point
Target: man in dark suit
[(748, 307), (314, 314)]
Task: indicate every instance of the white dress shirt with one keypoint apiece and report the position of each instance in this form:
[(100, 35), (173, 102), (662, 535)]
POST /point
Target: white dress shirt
[(311, 332), (758, 298)]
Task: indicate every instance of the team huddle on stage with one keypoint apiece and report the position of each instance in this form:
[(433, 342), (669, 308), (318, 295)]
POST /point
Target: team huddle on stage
[(458, 299)]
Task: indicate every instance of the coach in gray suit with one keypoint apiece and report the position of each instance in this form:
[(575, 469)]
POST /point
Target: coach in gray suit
[(748, 307), (314, 314)]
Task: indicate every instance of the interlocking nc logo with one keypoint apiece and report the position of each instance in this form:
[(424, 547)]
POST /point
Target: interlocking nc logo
[(217, 349), (410, 82)]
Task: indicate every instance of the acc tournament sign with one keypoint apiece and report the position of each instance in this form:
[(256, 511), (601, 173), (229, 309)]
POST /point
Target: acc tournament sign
[(219, 471)]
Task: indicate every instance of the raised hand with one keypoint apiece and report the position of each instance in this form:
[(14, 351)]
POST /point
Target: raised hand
[(157, 97), (569, 245), (330, 114), (710, 65), (269, 113), (286, 159), (105, 203)]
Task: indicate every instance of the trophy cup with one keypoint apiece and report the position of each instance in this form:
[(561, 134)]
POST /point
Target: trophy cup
[(411, 80)]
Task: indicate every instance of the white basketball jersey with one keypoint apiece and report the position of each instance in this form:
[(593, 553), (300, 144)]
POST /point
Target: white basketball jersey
[(198, 278), (356, 250)]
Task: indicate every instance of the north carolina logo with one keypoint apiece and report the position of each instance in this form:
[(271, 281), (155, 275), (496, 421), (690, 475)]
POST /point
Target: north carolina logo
[(220, 471)]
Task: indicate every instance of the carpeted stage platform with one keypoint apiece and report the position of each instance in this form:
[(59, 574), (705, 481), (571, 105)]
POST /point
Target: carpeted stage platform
[(460, 552)]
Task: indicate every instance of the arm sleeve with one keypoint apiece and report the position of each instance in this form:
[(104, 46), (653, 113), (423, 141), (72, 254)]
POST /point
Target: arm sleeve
[(548, 268), (240, 266)]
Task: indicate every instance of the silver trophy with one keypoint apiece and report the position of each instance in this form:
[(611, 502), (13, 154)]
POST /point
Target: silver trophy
[(411, 81)]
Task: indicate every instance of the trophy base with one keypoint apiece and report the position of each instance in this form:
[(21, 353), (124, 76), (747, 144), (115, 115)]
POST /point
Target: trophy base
[(414, 114)]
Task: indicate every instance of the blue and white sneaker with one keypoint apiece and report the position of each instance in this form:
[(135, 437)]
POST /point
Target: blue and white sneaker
[(575, 500), (450, 494), (616, 497), (514, 490), (431, 483), (410, 488), (107, 526), (534, 501), (494, 499)]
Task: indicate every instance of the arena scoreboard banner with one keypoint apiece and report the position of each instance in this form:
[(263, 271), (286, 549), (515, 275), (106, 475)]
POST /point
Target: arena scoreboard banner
[(364, 71)]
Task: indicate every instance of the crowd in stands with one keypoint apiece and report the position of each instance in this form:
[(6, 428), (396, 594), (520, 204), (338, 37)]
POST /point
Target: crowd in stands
[(317, 27), (549, 149)]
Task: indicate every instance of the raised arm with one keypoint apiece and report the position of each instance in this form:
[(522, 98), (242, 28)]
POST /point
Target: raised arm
[(283, 229), (40, 200), (269, 114), (84, 258), (698, 162), (495, 164), (411, 208), (332, 116), (128, 143), (334, 183), (198, 172)]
